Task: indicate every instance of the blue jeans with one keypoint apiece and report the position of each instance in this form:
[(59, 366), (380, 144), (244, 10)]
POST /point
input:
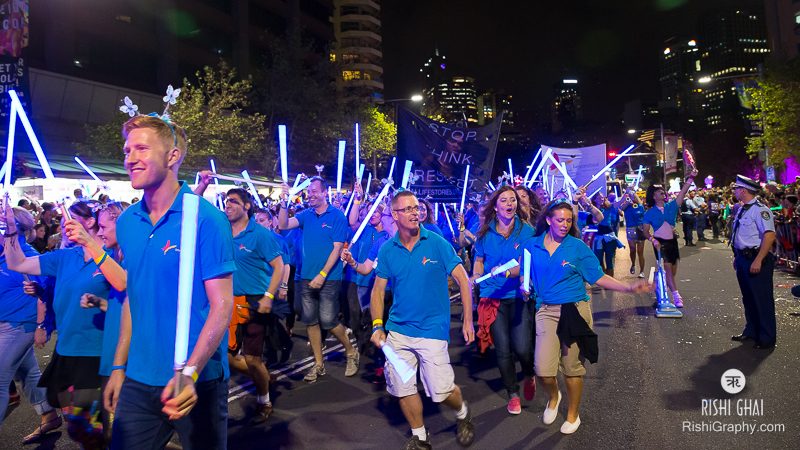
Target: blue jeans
[(512, 333), (321, 306), (17, 361), (140, 424)]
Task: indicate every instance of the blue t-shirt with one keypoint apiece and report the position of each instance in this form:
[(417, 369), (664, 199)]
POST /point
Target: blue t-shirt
[(319, 234), (361, 250), (634, 215), (16, 307), (560, 278), (253, 249), (433, 227), (111, 332), (497, 250), (284, 247), (421, 306), (80, 330), (655, 218), (610, 217), (151, 259)]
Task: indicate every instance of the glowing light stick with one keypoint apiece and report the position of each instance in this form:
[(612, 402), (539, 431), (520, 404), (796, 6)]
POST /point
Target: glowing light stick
[(609, 165), (449, 223), (374, 207), (3, 170), (282, 146), (526, 270), (638, 178), (253, 190), (435, 212), (366, 188), (406, 175), (464, 191), (16, 106), (360, 172), (391, 168), (297, 180), (191, 204), (330, 197), (12, 127), (540, 166), (652, 275), (242, 180), (400, 366), (297, 189), (562, 167), (349, 203), (530, 168), (595, 192), (88, 170), (197, 178), (214, 171), (340, 167), (507, 266), (491, 186), (511, 171), (359, 166)]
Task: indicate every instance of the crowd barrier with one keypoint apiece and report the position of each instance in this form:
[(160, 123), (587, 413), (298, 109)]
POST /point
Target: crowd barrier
[(786, 236)]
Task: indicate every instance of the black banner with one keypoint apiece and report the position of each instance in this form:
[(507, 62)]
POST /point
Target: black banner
[(14, 18), (440, 154)]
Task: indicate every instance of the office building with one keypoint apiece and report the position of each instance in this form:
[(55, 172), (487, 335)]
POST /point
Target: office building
[(357, 48)]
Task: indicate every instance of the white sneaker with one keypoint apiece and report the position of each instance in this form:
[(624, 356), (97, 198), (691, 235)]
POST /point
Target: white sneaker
[(641, 274), (570, 427), (549, 415)]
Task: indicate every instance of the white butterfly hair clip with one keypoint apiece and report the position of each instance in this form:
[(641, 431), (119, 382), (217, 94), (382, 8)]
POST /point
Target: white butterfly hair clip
[(171, 98), (129, 108)]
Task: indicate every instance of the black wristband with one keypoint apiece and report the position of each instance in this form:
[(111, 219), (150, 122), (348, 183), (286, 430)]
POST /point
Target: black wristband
[(8, 235)]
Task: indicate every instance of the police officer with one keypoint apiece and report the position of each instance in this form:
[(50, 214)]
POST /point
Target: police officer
[(752, 239)]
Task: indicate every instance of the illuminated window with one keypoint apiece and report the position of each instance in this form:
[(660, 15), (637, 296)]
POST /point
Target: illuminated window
[(348, 75), (333, 57)]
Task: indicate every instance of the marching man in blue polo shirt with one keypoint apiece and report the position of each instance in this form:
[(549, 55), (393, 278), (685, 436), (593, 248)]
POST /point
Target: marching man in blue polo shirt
[(141, 388), (417, 262), (324, 233)]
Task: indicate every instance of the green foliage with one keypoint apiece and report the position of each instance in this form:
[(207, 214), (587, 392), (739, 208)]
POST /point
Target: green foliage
[(776, 103), (378, 136)]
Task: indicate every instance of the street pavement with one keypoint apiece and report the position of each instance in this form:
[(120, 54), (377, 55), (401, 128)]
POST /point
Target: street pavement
[(645, 391)]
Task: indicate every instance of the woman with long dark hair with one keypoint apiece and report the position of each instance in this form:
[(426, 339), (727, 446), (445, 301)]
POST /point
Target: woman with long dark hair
[(504, 318), (561, 264), (659, 229), (530, 203), (426, 217)]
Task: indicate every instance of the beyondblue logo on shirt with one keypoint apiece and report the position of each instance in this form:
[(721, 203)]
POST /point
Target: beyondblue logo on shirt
[(167, 247), (516, 245), (97, 273), (244, 249), (325, 225), (426, 260)]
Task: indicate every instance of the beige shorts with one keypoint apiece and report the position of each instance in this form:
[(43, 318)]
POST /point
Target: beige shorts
[(549, 354), (431, 356)]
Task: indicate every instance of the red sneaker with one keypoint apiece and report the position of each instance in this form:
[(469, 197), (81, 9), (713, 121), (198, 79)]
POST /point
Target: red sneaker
[(514, 406), (530, 388)]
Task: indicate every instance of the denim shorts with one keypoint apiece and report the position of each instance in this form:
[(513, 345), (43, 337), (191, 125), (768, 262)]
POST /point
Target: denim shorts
[(321, 306)]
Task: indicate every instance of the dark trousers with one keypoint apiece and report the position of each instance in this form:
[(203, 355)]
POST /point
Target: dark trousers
[(758, 299), (715, 225), (512, 333), (688, 227), (700, 222), (140, 424)]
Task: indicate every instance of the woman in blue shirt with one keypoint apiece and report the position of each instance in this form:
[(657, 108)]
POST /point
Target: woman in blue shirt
[(659, 229), (561, 264), (504, 318), (633, 210), (426, 217), (530, 203), (605, 241)]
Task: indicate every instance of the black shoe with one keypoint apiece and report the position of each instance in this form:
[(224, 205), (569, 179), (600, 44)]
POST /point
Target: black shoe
[(690, 244), (760, 346), (415, 443), (465, 430), (741, 338)]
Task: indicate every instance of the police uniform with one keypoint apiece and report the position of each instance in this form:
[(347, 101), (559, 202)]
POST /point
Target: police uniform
[(752, 221)]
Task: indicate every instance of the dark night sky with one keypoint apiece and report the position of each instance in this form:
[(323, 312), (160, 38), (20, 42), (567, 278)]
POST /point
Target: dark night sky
[(524, 47)]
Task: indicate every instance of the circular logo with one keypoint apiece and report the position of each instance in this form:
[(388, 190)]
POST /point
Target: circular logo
[(732, 381)]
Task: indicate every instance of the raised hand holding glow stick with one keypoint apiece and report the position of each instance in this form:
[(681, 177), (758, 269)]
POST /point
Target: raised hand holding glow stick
[(191, 205), (464, 191), (253, 190), (507, 266), (282, 146), (374, 207), (406, 175)]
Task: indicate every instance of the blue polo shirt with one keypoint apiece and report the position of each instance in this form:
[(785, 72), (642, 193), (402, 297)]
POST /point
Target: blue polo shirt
[(433, 227), (152, 259), (655, 218), (111, 332), (283, 245), (16, 307), (495, 249), (560, 278), (253, 249), (634, 215), (361, 251), (319, 234), (80, 330), (421, 305)]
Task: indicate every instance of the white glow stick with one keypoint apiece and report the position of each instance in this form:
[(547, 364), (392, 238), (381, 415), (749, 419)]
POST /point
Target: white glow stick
[(563, 169), (297, 180), (349, 203), (360, 172), (197, 178), (511, 171), (595, 192), (638, 178), (214, 171), (340, 166), (282, 146), (406, 175), (652, 275), (359, 166), (464, 191), (297, 189), (12, 127), (366, 188), (330, 197), (526, 270), (253, 190), (3, 170), (507, 266), (609, 165), (374, 207), (449, 223), (435, 212), (37, 147), (88, 170), (400, 366), (540, 166), (530, 168), (391, 168), (491, 186), (242, 180), (553, 184), (191, 204)]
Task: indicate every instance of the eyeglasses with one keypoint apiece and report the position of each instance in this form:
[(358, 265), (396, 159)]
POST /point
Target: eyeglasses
[(409, 209)]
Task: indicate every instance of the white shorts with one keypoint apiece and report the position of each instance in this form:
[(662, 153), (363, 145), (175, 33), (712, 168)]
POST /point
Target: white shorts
[(433, 360)]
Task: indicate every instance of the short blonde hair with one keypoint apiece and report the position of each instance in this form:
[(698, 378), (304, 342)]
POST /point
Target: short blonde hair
[(173, 135)]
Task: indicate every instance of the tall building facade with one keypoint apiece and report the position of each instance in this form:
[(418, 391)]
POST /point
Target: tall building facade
[(566, 108), (783, 25), (679, 71), (734, 45), (452, 100), (357, 50)]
